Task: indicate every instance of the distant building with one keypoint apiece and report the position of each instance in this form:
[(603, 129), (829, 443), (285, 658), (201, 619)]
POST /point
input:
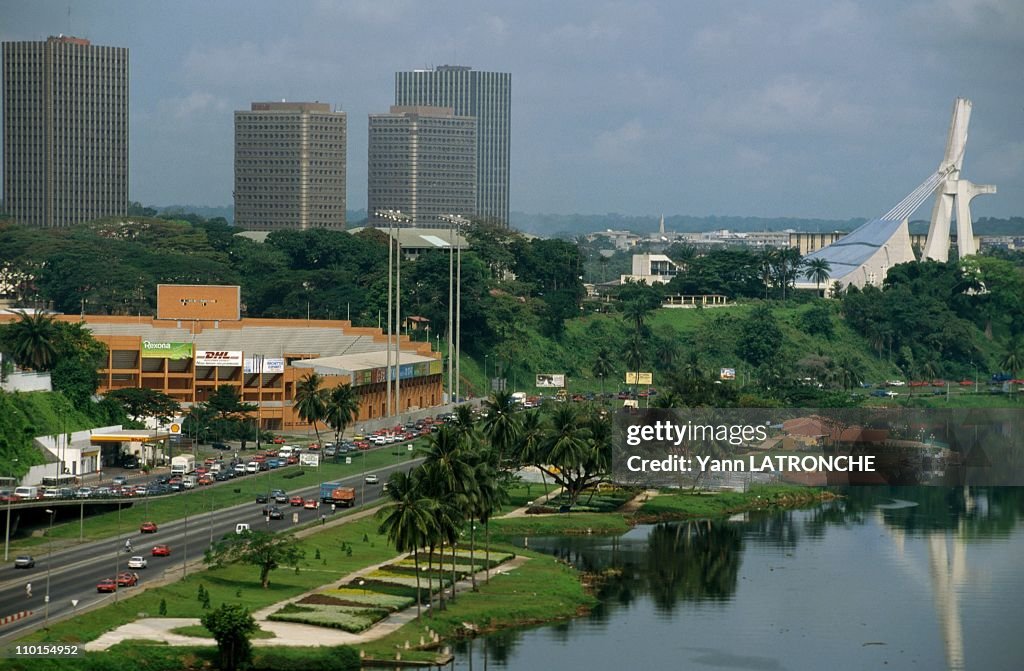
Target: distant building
[(65, 131), (651, 269), (422, 161), (487, 96), (290, 166)]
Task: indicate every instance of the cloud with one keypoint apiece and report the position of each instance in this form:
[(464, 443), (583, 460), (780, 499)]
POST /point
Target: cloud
[(197, 102), (622, 144)]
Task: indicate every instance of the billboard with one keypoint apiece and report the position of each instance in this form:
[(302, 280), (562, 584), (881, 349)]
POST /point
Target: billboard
[(639, 378), (165, 350), (209, 357), (198, 302), (270, 365), (727, 374), (550, 379), (309, 459)]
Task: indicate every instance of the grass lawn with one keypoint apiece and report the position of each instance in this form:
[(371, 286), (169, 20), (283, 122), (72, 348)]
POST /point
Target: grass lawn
[(236, 584), (165, 509), (560, 523), (685, 504), (521, 494), (541, 590), (199, 631)]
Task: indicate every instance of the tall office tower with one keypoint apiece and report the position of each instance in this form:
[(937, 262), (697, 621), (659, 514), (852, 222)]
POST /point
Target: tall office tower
[(422, 161), (290, 166), (484, 95), (65, 131)]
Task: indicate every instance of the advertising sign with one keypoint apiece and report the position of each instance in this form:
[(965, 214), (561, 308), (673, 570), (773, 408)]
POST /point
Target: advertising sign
[(435, 367), (270, 365), (209, 357), (166, 350), (639, 378), (550, 379), (727, 374), (309, 459)]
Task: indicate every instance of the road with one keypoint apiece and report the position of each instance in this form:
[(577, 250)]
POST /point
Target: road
[(73, 573)]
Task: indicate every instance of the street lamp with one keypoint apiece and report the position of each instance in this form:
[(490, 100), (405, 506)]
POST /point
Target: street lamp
[(455, 221), (49, 555), (10, 498), (487, 382)]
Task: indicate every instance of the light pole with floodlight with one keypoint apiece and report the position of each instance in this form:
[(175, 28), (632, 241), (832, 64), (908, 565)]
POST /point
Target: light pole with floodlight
[(49, 559)]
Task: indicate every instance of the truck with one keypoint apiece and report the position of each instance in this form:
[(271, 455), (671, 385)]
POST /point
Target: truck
[(183, 464), (333, 492)]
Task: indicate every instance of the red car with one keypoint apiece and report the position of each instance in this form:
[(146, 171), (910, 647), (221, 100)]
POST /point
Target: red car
[(106, 585), (161, 550), (295, 501), (309, 504), (278, 440), (148, 528), (127, 579)]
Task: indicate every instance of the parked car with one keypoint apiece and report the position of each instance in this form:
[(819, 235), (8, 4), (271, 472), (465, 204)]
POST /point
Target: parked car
[(24, 561), (148, 527), (161, 550), (137, 561), (106, 585)]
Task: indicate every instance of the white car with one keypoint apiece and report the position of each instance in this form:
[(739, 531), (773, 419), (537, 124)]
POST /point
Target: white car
[(137, 562), (371, 479), (896, 383)]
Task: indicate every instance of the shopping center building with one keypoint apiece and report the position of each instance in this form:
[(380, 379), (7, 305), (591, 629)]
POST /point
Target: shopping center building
[(198, 341)]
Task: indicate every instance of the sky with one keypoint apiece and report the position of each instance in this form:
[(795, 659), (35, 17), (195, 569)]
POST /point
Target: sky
[(799, 108)]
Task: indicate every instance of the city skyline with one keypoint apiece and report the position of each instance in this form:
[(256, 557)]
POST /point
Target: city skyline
[(801, 110)]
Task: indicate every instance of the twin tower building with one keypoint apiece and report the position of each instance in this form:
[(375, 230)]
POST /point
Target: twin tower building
[(442, 149)]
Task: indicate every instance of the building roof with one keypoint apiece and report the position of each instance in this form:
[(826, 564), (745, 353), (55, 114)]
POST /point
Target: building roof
[(422, 238), (851, 252), (350, 363)]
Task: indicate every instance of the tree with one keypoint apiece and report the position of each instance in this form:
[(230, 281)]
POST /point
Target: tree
[(31, 340), (575, 450), (501, 426), (309, 400), (603, 366), (256, 548), (760, 336), (342, 408), (144, 402), (406, 520), (818, 270), (231, 626)]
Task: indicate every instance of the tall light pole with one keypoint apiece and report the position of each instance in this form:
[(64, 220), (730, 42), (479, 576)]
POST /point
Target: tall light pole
[(49, 559), (457, 222), (394, 249), (10, 498)]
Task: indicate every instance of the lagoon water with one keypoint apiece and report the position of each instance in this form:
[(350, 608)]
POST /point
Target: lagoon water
[(917, 578)]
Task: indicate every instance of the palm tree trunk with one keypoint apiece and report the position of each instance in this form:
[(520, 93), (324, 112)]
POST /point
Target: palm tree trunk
[(487, 555), (472, 551), (440, 580), (430, 579), (416, 562), (453, 573)]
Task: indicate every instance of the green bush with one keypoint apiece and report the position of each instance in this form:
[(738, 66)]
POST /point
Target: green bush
[(339, 658)]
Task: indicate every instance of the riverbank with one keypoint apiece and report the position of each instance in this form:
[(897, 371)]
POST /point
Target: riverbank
[(683, 505)]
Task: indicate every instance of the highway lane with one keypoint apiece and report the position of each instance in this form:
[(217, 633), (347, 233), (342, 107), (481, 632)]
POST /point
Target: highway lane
[(75, 572)]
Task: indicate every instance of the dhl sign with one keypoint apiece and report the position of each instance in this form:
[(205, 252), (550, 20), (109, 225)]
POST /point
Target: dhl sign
[(205, 357)]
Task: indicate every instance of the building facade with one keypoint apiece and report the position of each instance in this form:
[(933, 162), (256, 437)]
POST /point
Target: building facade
[(422, 161), (65, 131), (487, 96), (290, 167)]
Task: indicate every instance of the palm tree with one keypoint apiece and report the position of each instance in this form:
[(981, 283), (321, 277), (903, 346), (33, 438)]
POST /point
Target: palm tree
[(603, 366), (530, 442), (1013, 357), (567, 442), (636, 312), (767, 264), (32, 340), (406, 520), (818, 270), (491, 493), (501, 427), (309, 400), (342, 408), (666, 352), (636, 351)]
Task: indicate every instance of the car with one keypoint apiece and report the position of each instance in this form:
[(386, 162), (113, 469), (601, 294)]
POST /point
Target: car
[(24, 561), (273, 512), (162, 550), (262, 498), (242, 528), (106, 585), (127, 579), (138, 561), (309, 504), (120, 480), (252, 467), (84, 492), (148, 528), (279, 496), (221, 446), (295, 500), (239, 469), (330, 451), (279, 440), (222, 476), (371, 479)]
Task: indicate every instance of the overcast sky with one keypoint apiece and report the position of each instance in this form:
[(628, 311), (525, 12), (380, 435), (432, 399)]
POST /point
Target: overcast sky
[(796, 108)]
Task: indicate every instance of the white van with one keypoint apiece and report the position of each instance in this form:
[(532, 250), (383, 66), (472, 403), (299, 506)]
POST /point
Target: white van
[(26, 492), (51, 493), (287, 450), (252, 467), (241, 528)]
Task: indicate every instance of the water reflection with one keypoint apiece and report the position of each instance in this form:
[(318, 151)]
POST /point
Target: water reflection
[(914, 577)]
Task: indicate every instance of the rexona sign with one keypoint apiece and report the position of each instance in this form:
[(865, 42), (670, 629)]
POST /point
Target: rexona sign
[(166, 350), (207, 357)]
